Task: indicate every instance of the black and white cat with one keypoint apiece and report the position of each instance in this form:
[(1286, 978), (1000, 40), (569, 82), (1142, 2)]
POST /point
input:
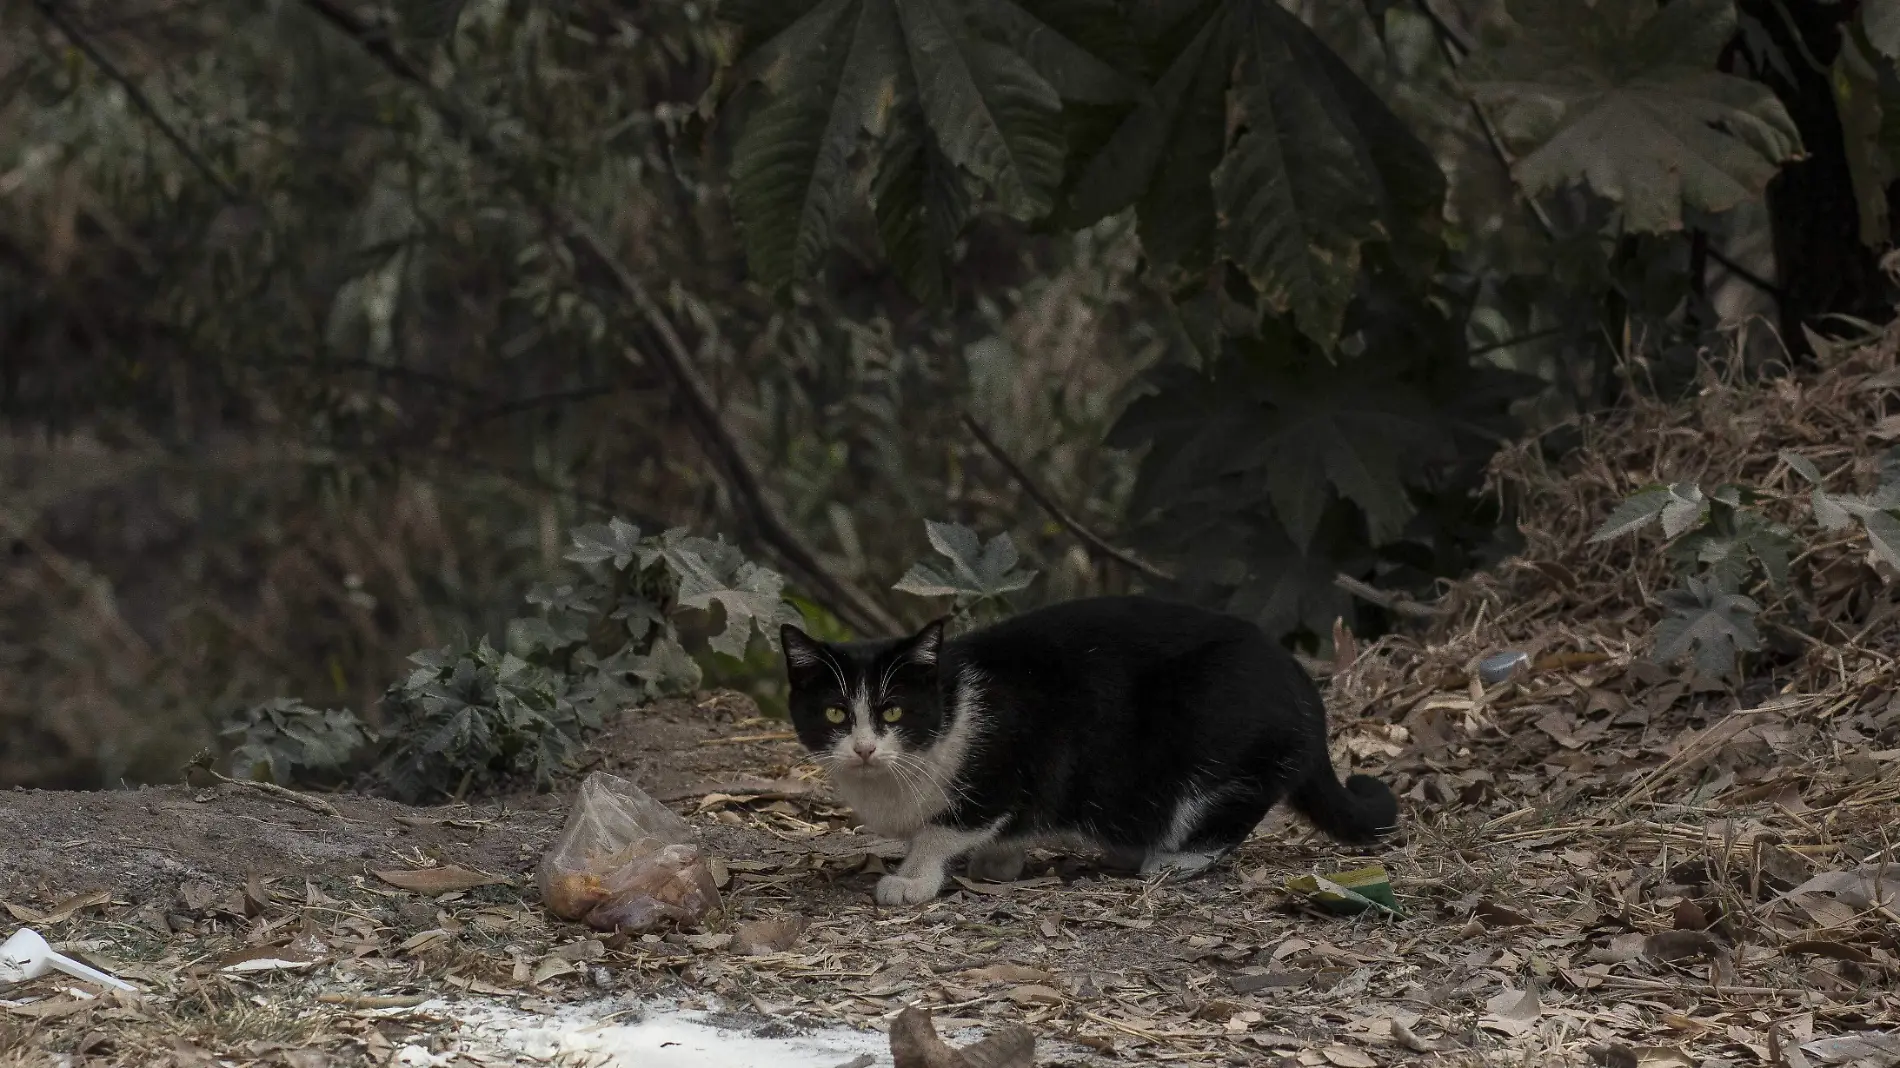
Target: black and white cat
[(1158, 733)]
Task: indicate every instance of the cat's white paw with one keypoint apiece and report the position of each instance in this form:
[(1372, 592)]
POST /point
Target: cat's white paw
[(898, 890), (997, 864)]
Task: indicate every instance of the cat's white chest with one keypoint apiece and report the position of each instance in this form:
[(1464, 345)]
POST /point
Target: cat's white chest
[(889, 805)]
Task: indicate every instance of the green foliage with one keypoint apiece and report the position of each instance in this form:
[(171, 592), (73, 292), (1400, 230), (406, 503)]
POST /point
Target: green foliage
[(1708, 623), (284, 739), (475, 718), (958, 92), (1270, 470), (1321, 411), (1622, 96), (1721, 548), (979, 578), (1877, 513)]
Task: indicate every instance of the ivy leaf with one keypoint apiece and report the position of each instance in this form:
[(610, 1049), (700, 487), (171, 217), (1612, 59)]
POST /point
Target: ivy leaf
[(667, 668), (561, 599), (1883, 530), (976, 571), (1684, 509), (283, 736), (709, 571), (617, 540), (1729, 554), (1624, 97), (1830, 511), (1637, 511), (1261, 146), (1801, 465), (1708, 623), (986, 78)]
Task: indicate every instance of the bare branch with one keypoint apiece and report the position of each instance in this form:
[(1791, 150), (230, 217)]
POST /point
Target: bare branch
[(51, 11), (1060, 514), (671, 354)]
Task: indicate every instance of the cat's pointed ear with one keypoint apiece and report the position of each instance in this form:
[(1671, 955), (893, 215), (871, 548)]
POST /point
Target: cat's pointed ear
[(802, 652), (927, 645)]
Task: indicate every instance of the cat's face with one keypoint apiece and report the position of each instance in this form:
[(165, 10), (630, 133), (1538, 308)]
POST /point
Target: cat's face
[(865, 708)]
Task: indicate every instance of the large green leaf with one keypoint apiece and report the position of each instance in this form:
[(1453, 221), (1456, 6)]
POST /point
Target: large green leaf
[(1623, 96), (1865, 98), (1881, 20), (1297, 430), (1709, 624), (972, 86), (1259, 145)]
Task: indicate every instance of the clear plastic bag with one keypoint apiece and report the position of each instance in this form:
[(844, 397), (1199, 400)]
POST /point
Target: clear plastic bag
[(624, 861)]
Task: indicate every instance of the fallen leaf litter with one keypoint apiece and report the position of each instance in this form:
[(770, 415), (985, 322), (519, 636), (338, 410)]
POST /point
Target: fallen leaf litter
[(1601, 862)]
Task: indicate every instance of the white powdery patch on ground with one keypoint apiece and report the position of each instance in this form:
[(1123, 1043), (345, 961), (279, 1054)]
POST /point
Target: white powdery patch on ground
[(625, 1033)]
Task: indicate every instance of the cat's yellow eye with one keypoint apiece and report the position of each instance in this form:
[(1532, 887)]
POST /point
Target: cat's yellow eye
[(892, 715), (835, 714)]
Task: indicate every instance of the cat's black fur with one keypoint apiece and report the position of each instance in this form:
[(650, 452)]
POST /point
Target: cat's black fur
[(1157, 732)]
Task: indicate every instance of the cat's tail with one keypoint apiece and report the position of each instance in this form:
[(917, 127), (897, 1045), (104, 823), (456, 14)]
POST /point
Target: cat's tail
[(1360, 811)]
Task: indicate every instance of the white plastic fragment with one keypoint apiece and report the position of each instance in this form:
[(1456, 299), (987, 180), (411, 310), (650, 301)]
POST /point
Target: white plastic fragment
[(26, 955)]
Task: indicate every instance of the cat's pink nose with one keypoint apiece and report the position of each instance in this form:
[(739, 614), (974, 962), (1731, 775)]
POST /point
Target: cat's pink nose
[(865, 750)]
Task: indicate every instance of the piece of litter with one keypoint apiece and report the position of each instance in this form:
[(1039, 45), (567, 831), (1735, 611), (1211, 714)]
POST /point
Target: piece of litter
[(26, 955), (1349, 891)]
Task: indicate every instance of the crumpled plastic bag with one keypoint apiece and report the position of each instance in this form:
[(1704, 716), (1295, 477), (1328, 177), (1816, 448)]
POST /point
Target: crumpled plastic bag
[(624, 861)]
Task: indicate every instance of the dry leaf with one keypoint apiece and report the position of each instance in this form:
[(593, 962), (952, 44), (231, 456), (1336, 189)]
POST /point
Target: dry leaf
[(1515, 1004), (1496, 915), (759, 938), (1822, 948), (1689, 916), (1868, 1045), (63, 911), (434, 881), (1348, 1057), (914, 1044), (266, 959), (1035, 994), (1008, 973), (1681, 945), (1406, 1037), (1621, 1056)]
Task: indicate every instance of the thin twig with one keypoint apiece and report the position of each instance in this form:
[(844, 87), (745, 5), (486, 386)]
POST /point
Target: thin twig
[(315, 804), (1060, 514), (1745, 274), (50, 10), (1446, 31), (1449, 39), (674, 359), (1389, 600), (852, 604)]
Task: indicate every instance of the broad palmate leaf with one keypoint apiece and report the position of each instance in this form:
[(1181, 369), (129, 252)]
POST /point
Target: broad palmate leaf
[(1296, 431), (1624, 97), (1260, 146), (1709, 623), (941, 91), (976, 570)]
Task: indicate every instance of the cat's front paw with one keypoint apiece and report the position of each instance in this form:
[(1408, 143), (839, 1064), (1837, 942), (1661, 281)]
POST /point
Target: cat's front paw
[(898, 890)]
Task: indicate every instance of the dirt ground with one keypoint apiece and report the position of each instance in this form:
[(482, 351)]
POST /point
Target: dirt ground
[(1535, 929)]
